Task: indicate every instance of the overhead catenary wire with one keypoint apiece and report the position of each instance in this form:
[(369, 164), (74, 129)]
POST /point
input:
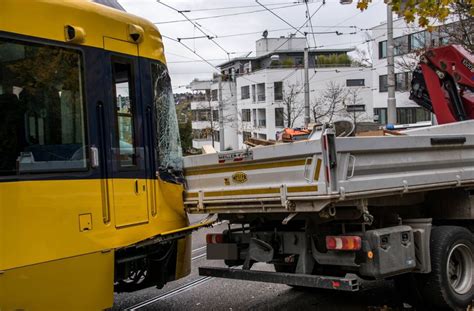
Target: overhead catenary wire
[(198, 27), (226, 15), (194, 52), (280, 18), (239, 7)]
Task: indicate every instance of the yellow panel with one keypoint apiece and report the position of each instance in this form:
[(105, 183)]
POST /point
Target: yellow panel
[(120, 46), (183, 262), (78, 283), (130, 201), (47, 19), (49, 211)]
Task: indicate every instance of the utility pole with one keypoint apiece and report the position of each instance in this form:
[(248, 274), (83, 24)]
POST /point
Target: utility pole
[(221, 115), (391, 101), (306, 88)]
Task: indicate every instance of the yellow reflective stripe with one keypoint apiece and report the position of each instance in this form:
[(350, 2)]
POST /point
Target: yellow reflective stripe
[(244, 167), (318, 169), (253, 191)]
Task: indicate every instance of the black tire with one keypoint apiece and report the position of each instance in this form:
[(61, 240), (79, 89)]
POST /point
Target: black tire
[(453, 289)]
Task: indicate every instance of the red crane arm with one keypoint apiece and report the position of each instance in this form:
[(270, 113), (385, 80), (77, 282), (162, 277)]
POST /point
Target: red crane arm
[(444, 83)]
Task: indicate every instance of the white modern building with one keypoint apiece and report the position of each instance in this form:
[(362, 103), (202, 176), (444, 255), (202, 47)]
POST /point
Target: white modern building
[(409, 40), (262, 95), (205, 113)]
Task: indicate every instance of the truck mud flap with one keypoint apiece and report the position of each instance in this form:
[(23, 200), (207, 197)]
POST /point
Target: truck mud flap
[(350, 284)]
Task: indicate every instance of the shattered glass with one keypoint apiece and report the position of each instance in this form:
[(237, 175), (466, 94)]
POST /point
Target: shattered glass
[(168, 145)]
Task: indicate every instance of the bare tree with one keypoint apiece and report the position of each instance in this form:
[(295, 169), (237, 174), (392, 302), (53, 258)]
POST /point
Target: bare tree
[(354, 108), (363, 57), (461, 29), (329, 103), (294, 108)]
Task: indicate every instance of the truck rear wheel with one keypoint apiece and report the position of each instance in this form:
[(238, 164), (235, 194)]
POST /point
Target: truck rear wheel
[(451, 281)]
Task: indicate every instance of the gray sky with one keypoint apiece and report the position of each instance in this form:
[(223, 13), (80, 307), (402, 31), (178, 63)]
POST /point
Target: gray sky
[(331, 17)]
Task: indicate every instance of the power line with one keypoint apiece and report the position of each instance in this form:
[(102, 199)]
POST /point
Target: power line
[(280, 18), (226, 15), (194, 52), (239, 7), (196, 61), (288, 39), (195, 25)]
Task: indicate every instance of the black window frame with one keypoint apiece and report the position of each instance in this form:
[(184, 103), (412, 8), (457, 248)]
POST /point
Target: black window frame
[(247, 93), (245, 112), (278, 96), (355, 82), (122, 59), (282, 124), (63, 173), (382, 51)]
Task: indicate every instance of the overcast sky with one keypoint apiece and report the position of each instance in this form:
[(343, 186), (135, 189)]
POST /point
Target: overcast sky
[(332, 16)]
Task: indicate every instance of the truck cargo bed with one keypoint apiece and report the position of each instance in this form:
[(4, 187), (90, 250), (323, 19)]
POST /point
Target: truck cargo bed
[(308, 176)]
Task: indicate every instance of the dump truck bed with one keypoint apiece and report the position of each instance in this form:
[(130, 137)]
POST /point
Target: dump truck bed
[(308, 176)]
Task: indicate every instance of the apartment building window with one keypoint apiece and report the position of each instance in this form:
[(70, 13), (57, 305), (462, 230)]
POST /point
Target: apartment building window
[(217, 136), (402, 82), (246, 136), (246, 117), (404, 115), (245, 92), (380, 115), (400, 45), (383, 83), (254, 93), (355, 82), (417, 40), (254, 114), (262, 119), (214, 95), (262, 136), (261, 92), (279, 117), (201, 115), (382, 49), (278, 90), (412, 115), (215, 115)]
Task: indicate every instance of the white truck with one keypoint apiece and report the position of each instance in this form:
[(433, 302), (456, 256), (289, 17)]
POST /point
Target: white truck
[(327, 209), (330, 211)]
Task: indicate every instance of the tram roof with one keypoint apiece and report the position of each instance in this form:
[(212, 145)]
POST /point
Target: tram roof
[(47, 19)]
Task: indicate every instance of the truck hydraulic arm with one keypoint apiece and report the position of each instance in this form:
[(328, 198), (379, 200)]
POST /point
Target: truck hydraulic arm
[(443, 83)]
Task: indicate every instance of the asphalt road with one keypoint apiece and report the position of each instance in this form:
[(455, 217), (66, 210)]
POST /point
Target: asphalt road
[(199, 293)]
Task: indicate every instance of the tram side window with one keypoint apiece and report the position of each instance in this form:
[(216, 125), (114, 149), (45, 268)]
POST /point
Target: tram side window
[(41, 109), (124, 114)]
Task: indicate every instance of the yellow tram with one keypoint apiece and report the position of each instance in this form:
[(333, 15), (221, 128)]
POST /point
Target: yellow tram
[(90, 160)]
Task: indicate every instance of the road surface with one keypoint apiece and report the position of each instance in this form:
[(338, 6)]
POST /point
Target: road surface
[(201, 293)]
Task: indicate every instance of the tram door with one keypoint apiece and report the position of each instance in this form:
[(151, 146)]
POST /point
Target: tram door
[(127, 186)]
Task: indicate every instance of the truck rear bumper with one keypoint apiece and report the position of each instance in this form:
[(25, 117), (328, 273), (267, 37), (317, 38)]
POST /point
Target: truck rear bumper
[(350, 284)]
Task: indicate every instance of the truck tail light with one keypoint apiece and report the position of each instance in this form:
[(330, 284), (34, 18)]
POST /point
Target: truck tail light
[(343, 243), (215, 238)]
